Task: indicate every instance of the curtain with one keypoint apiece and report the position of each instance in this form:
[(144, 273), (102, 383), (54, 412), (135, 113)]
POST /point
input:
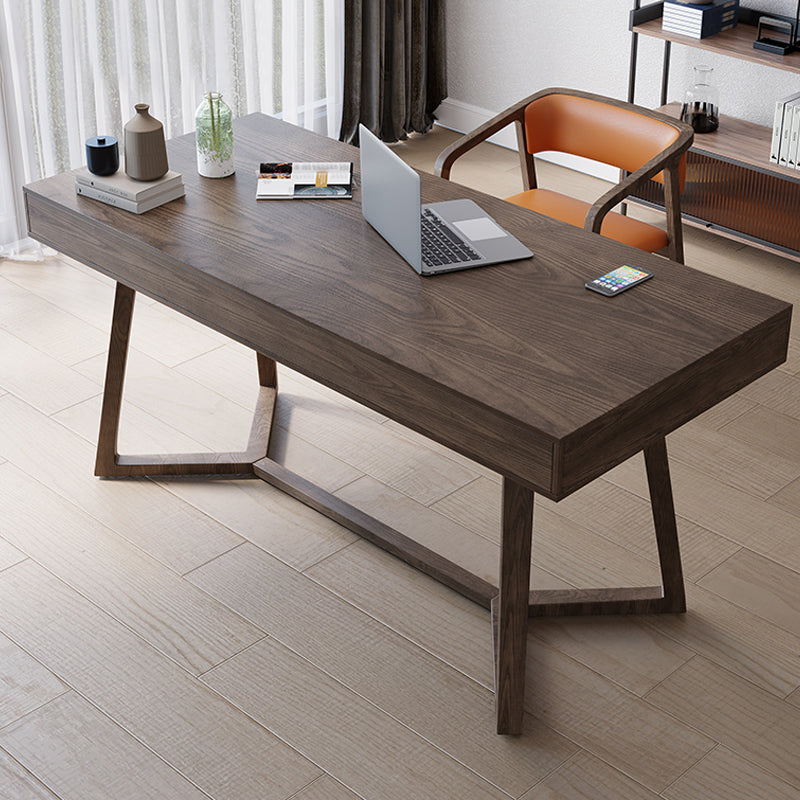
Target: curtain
[(72, 69), (395, 67)]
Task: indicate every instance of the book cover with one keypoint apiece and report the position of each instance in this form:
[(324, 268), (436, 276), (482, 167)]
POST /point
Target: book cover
[(300, 179), (777, 126), (123, 186), (165, 196), (699, 21)]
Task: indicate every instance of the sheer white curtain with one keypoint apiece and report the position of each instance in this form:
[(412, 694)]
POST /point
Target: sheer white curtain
[(71, 69)]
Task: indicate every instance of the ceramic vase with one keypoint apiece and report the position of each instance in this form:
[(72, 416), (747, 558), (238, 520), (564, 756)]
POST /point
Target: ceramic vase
[(145, 148), (214, 134)]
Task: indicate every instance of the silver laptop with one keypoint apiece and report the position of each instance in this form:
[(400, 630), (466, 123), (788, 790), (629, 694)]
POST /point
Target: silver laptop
[(433, 238)]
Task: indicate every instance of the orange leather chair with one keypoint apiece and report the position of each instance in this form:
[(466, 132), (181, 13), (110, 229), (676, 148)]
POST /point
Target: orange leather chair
[(644, 144)]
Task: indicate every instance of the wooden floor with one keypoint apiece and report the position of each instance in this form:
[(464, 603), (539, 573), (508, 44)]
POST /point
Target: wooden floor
[(190, 639)]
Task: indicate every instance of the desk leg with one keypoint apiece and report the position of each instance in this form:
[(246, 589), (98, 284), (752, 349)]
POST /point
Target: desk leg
[(657, 465), (110, 464), (510, 607)]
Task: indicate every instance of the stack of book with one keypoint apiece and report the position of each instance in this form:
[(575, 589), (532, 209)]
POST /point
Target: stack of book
[(123, 192), (786, 132), (699, 20)]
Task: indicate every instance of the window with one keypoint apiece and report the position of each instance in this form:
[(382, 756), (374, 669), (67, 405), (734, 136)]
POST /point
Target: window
[(72, 69)]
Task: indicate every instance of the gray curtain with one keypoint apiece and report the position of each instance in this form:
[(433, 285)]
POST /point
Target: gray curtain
[(395, 67)]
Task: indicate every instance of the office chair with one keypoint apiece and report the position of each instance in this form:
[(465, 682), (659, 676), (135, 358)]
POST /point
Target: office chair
[(644, 144)]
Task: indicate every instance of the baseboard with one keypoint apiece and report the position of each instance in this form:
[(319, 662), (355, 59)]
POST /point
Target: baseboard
[(463, 117)]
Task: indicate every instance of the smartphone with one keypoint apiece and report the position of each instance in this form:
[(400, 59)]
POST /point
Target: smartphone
[(618, 280)]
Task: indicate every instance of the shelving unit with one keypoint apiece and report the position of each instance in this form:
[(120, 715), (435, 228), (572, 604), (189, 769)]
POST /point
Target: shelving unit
[(731, 188)]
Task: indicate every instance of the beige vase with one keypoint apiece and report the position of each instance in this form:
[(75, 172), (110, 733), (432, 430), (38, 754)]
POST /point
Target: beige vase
[(145, 148)]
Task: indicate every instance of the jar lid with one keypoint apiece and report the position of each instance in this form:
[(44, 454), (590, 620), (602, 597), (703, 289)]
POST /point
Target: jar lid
[(101, 141)]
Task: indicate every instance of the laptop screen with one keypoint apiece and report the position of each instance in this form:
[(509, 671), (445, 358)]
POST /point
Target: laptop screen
[(390, 197)]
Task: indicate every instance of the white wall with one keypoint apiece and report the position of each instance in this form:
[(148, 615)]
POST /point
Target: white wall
[(500, 51)]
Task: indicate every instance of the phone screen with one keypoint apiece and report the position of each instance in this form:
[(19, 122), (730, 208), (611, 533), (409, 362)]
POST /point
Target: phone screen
[(618, 280)]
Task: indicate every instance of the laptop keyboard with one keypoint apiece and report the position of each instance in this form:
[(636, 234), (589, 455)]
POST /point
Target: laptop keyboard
[(440, 246)]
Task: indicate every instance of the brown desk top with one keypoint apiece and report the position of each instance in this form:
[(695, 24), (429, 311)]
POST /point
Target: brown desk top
[(517, 366)]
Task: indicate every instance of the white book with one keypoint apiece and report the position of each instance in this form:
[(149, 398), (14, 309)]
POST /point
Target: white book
[(794, 139), (777, 128), (786, 130), (123, 186), (171, 193)]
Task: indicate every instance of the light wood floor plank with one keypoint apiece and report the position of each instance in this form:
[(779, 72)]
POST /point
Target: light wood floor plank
[(355, 742), (766, 428), (141, 512), (420, 473), (181, 403), (78, 752), (626, 518), (25, 684), (152, 600), (585, 777), (777, 391), (139, 432), (788, 498), (267, 517), (437, 532), (561, 546), (198, 733), (721, 414), (649, 745), (44, 383), (229, 370), (19, 783), (622, 648), (735, 638), (720, 508), (418, 607), (9, 555), (753, 468), (572, 699), (80, 291), (47, 327), (325, 788), (764, 587), (746, 719), (405, 682), (724, 775)]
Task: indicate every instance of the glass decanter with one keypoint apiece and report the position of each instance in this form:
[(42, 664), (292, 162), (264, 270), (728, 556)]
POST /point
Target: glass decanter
[(701, 103)]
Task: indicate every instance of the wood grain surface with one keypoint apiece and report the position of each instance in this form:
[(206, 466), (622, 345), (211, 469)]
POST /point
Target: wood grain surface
[(516, 366)]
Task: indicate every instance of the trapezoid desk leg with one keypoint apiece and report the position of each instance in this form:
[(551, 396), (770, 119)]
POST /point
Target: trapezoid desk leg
[(110, 464), (510, 607), (669, 553)]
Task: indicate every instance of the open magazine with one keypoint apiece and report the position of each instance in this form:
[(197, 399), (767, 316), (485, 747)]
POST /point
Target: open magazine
[(301, 179)]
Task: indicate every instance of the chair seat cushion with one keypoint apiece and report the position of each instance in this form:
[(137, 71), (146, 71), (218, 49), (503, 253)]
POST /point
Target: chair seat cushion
[(615, 226)]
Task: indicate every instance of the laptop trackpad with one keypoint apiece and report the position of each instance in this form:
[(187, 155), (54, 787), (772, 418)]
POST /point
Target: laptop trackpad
[(479, 229)]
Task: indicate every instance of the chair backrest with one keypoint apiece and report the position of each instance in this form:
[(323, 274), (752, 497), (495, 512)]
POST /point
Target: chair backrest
[(605, 132)]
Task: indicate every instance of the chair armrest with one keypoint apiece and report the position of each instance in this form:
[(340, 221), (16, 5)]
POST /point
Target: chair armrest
[(447, 157), (665, 162)]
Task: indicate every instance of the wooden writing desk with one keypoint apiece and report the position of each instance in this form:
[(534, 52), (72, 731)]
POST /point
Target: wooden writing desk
[(517, 366)]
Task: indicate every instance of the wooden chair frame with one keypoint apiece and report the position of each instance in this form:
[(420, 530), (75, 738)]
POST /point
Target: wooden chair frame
[(667, 161)]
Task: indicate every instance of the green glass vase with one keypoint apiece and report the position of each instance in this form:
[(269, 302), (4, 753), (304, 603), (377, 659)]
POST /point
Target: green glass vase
[(214, 132)]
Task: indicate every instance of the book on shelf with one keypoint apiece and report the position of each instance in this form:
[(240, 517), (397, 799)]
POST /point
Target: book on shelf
[(172, 192), (123, 186), (699, 21), (302, 179), (794, 138), (781, 119)]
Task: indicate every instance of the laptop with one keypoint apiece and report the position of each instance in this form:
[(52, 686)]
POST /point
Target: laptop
[(433, 238)]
